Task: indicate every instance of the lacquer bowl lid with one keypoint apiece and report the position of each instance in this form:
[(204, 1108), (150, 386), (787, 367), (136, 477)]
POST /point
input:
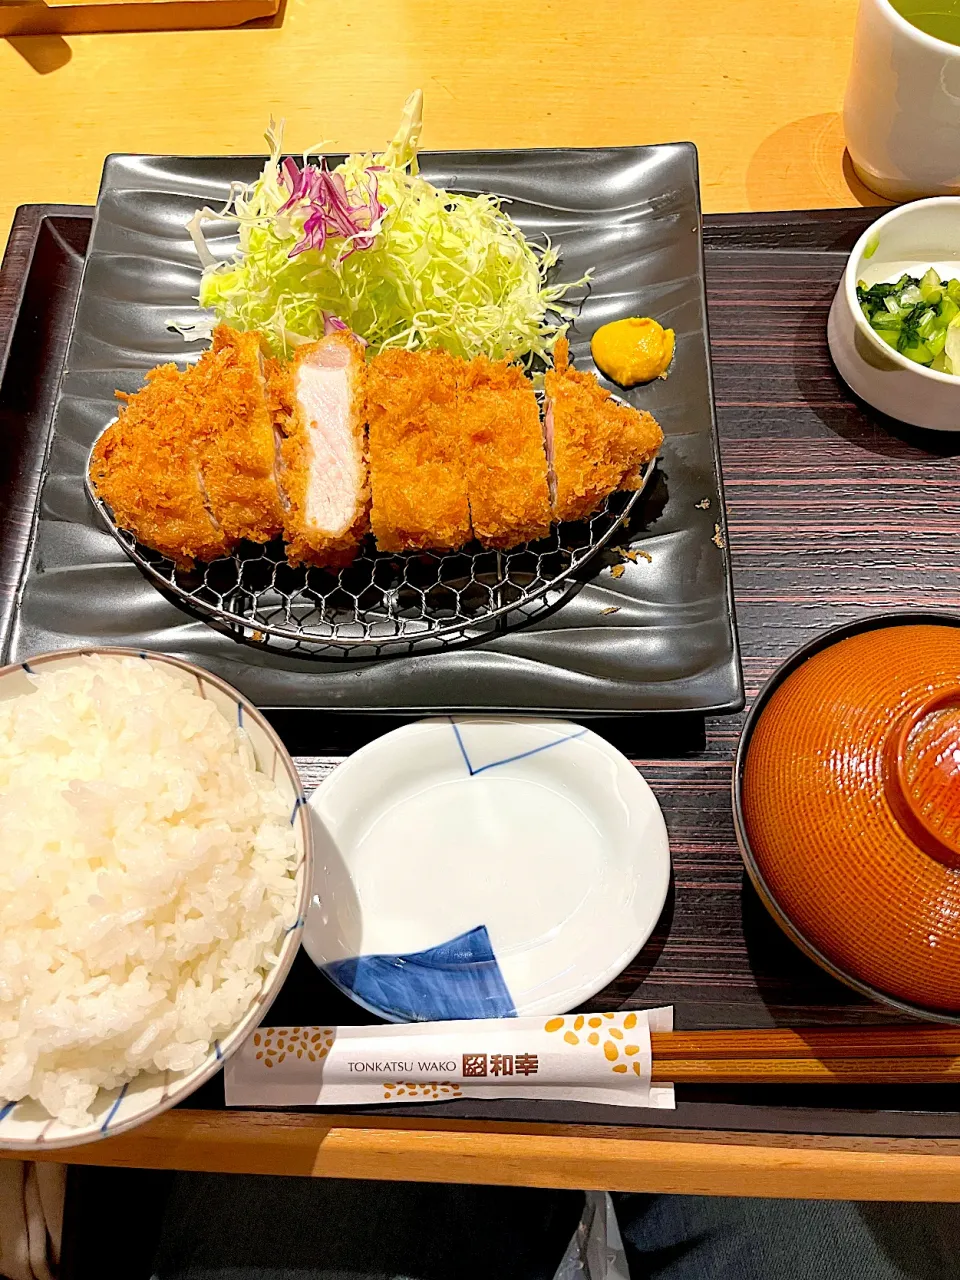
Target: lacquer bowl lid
[(847, 799)]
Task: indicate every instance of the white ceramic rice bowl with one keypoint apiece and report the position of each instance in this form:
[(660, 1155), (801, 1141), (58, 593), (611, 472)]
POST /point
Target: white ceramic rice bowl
[(26, 1126)]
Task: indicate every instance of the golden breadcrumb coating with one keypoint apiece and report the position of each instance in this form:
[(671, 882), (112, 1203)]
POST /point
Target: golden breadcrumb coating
[(455, 450), (504, 459), (598, 445), (235, 438), (145, 467), (305, 459), (416, 452)]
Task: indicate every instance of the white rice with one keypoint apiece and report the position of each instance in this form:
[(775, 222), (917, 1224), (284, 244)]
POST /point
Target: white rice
[(146, 880)]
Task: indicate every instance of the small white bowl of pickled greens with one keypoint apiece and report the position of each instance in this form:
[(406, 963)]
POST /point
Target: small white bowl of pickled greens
[(894, 326)]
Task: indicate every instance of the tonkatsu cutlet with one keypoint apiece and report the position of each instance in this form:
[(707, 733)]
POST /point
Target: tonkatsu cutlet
[(236, 443), (425, 449), (416, 452), (504, 459), (145, 467), (323, 472), (594, 445)]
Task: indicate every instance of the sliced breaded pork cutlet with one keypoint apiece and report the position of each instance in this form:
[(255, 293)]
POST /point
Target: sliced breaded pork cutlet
[(236, 444), (416, 452), (145, 467), (504, 458), (323, 473), (594, 445)]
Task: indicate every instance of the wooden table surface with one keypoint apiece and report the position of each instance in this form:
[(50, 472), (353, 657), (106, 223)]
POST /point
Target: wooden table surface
[(758, 87)]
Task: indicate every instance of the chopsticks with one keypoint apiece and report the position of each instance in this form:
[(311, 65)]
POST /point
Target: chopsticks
[(816, 1055)]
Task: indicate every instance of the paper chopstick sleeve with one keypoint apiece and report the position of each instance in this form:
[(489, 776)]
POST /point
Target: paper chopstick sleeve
[(594, 1057)]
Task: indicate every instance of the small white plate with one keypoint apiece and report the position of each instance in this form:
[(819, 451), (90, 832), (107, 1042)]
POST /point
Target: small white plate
[(481, 868)]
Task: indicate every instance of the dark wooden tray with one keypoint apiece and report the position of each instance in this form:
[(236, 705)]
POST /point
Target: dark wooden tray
[(834, 513)]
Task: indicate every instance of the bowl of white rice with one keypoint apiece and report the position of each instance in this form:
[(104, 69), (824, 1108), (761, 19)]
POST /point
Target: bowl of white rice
[(155, 863)]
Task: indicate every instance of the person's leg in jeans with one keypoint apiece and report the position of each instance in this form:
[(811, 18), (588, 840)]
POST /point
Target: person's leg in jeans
[(722, 1238), (269, 1228)]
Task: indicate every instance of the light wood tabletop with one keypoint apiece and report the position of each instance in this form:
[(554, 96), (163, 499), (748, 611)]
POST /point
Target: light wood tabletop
[(758, 86), (576, 1156)]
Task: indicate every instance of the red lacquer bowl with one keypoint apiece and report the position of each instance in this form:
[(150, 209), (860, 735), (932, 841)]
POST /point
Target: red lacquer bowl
[(847, 800)]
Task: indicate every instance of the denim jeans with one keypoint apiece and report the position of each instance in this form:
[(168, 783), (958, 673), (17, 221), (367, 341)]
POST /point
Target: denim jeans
[(718, 1238), (220, 1227)]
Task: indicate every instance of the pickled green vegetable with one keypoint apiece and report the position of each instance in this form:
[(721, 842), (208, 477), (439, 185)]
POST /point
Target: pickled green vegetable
[(919, 317)]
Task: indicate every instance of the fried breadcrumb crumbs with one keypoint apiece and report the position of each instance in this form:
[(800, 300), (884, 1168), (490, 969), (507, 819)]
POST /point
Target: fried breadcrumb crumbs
[(633, 554)]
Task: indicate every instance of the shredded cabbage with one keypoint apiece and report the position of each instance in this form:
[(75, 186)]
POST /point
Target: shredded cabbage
[(375, 246)]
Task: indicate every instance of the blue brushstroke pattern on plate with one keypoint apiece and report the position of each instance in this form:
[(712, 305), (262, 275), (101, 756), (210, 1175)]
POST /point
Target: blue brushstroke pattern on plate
[(458, 979)]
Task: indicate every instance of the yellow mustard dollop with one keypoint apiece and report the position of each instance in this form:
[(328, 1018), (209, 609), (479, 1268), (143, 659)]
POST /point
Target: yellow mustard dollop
[(633, 350)]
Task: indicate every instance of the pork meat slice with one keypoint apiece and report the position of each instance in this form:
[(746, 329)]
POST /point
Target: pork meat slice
[(323, 473), (594, 444), (236, 445)]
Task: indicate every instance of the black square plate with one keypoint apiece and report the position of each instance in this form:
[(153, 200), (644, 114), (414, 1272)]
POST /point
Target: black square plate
[(659, 637)]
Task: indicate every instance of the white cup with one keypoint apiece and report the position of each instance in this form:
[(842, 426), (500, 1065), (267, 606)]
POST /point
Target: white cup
[(901, 115)]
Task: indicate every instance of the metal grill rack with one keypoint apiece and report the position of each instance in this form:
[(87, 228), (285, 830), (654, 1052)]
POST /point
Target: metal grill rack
[(382, 604)]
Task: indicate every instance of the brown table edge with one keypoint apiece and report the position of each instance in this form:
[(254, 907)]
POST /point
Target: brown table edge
[(19, 18), (494, 1153), (580, 1157)]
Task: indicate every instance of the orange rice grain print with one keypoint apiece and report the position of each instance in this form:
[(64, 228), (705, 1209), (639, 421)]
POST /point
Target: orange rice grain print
[(590, 1030), (276, 1044), (436, 1089)]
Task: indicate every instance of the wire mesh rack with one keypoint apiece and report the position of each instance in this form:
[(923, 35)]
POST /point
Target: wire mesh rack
[(383, 603)]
